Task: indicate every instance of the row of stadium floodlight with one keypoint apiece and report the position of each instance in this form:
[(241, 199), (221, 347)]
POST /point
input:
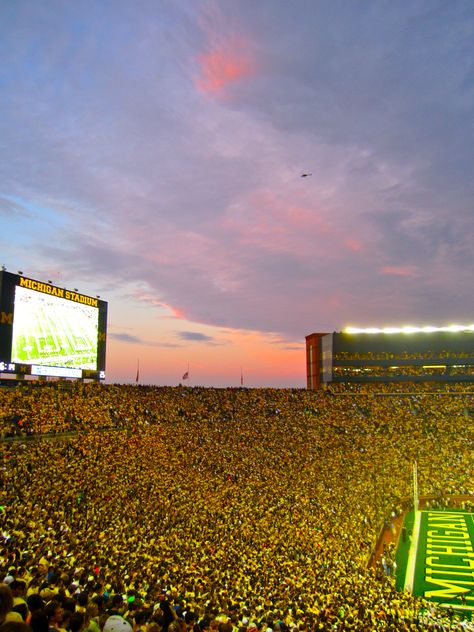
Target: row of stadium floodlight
[(407, 329)]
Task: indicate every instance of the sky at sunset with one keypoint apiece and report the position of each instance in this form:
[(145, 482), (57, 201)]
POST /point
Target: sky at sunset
[(152, 153)]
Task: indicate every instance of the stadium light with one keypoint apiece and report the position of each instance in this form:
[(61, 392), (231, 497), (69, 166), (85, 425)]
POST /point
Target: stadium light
[(408, 329)]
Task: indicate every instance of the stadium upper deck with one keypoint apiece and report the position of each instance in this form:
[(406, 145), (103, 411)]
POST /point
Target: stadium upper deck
[(391, 355)]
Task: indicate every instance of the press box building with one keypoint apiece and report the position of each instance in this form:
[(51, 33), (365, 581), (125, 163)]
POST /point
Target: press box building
[(408, 354)]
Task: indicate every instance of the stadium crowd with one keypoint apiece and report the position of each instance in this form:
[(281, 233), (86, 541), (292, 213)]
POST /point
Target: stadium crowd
[(234, 509)]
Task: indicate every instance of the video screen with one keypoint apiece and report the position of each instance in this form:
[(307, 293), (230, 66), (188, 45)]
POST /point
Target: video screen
[(52, 331)]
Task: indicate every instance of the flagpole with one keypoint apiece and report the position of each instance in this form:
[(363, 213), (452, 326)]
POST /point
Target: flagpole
[(138, 371), (415, 486)]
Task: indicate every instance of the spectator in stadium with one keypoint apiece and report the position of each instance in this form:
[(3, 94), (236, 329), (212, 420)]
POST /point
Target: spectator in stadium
[(15, 626), (39, 622), (54, 613), (6, 602), (116, 623)]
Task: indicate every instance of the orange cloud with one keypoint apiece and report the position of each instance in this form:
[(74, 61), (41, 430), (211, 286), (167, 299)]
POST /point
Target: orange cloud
[(222, 66)]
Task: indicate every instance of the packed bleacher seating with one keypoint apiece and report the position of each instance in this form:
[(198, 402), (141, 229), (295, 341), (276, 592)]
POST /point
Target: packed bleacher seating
[(399, 372), (219, 509)]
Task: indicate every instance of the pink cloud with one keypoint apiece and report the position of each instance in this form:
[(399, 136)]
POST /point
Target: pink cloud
[(277, 223), (402, 271), (223, 65), (353, 244), (151, 299)]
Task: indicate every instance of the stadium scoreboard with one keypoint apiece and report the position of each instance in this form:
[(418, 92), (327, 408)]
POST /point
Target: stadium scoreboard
[(47, 330)]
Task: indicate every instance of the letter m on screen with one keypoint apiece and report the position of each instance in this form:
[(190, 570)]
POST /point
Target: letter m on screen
[(6, 318)]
